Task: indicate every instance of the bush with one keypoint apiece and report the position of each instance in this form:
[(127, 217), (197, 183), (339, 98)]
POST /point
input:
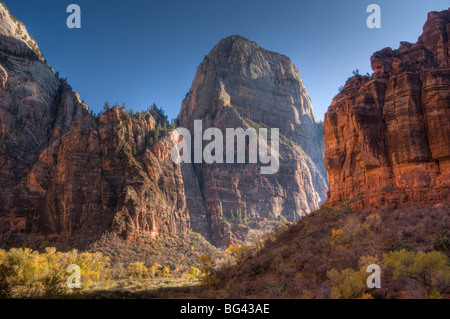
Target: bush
[(166, 272), (348, 283), (193, 273), (137, 270), (430, 270), (43, 274), (240, 253)]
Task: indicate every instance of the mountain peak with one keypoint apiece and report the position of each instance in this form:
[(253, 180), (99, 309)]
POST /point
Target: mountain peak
[(240, 43), (11, 27)]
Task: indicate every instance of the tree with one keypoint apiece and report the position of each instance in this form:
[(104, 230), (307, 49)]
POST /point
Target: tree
[(348, 283), (106, 106), (431, 270), (157, 134), (193, 273), (241, 253), (137, 270), (166, 272), (239, 216)]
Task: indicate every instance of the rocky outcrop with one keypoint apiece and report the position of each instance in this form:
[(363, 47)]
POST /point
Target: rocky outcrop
[(241, 85), (69, 176), (36, 107), (387, 137), (101, 176)]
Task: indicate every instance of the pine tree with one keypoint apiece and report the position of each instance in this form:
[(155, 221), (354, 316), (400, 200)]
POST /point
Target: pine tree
[(239, 216), (157, 133)]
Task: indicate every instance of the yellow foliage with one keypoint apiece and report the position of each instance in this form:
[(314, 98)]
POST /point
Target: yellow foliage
[(45, 273), (166, 272), (335, 235), (348, 283), (137, 270), (240, 253), (193, 273), (205, 259), (431, 270)]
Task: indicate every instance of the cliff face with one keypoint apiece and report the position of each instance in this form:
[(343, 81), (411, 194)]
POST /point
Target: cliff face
[(387, 137), (67, 175), (36, 107), (240, 85)]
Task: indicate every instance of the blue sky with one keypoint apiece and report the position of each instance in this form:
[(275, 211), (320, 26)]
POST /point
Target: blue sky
[(144, 52)]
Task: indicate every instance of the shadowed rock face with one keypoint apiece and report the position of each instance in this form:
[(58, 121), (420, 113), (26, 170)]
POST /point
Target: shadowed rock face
[(387, 138), (240, 85), (71, 177), (67, 175)]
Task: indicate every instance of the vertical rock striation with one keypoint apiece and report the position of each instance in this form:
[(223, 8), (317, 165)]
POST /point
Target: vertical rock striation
[(241, 85), (69, 176), (387, 137)]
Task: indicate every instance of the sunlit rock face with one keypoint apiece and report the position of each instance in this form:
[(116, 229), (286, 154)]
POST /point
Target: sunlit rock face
[(241, 85), (387, 137)]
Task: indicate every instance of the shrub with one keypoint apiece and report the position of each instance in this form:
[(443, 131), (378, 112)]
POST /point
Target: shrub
[(348, 283), (166, 272), (240, 253), (193, 273), (137, 270), (430, 270), (43, 274)]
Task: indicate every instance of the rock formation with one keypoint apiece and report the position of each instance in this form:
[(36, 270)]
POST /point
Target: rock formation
[(241, 85), (387, 137), (70, 176)]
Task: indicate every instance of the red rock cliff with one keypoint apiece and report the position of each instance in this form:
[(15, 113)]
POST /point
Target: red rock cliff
[(69, 176), (387, 137)]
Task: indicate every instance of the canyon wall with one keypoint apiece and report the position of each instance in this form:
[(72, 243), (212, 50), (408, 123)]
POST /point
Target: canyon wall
[(387, 136), (68, 176), (241, 85)]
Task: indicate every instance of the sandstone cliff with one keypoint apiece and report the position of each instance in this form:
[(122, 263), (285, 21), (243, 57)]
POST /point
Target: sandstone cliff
[(241, 85), (387, 137), (70, 176)]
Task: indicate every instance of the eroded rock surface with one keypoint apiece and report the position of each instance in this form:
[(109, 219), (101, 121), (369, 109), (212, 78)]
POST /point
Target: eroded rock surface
[(241, 85), (387, 137)]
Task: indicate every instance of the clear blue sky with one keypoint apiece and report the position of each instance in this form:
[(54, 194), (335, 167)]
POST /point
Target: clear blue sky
[(140, 52)]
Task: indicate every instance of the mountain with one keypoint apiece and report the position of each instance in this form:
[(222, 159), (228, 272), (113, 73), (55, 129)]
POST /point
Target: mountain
[(387, 158), (71, 177), (241, 85), (68, 176), (388, 135)]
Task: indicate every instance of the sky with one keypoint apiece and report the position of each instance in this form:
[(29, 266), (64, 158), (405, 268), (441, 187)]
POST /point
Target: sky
[(143, 52)]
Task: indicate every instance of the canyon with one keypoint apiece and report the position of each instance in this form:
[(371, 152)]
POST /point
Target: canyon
[(68, 176)]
